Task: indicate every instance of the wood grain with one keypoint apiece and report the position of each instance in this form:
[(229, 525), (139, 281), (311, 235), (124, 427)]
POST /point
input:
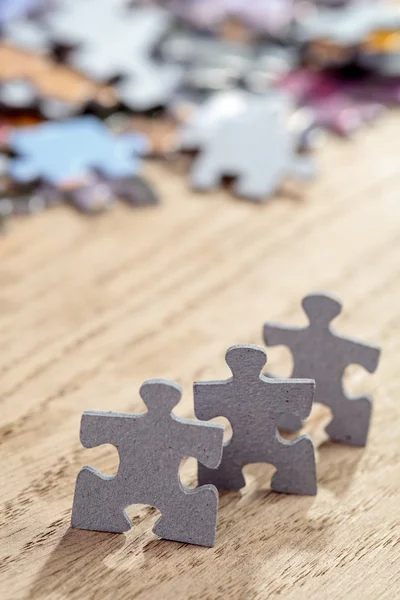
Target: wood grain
[(90, 308)]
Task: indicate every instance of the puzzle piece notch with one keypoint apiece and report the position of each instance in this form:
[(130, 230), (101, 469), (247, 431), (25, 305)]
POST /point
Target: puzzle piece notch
[(253, 404), (68, 151), (320, 352), (257, 148), (151, 447)]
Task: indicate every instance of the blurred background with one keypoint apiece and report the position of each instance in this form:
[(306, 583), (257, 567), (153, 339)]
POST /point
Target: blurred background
[(233, 93)]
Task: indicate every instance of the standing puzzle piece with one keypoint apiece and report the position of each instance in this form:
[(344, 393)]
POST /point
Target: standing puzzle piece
[(62, 152), (253, 403), (319, 352), (257, 148), (150, 446)]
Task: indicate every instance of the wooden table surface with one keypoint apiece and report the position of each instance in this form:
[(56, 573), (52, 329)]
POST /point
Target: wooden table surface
[(90, 308)]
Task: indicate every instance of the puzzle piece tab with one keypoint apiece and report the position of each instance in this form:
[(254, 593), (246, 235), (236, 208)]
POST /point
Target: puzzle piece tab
[(67, 151), (151, 447), (253, 404), (320, 352)]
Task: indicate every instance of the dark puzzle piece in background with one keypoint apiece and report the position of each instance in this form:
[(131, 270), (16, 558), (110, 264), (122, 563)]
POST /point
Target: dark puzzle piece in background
[(253, 404), (151, 447), (339, 106), (321, 353)]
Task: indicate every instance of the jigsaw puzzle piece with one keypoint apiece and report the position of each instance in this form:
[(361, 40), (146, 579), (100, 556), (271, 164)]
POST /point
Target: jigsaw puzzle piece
[(257, 148), (151, 447), (320, 352), (71, 150), (120, 46), (253, 404)]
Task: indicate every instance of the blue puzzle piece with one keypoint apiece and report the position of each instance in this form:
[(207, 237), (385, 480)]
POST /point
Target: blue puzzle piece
[(61, 152)]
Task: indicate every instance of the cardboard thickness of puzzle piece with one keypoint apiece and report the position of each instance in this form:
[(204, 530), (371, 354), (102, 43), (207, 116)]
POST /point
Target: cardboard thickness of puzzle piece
[(52, 80)]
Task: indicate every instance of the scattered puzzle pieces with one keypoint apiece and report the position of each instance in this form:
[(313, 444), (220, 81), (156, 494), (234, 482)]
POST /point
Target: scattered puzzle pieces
[(151, 447), (253, 403), (319, 352)]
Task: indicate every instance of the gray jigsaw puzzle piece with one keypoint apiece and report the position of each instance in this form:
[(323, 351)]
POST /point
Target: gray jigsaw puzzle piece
[(320, 352), (257, 148), (253, 404), (151, 447)]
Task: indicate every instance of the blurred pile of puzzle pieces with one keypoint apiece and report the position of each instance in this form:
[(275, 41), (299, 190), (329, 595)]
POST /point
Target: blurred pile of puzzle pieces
[(233, 88)]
